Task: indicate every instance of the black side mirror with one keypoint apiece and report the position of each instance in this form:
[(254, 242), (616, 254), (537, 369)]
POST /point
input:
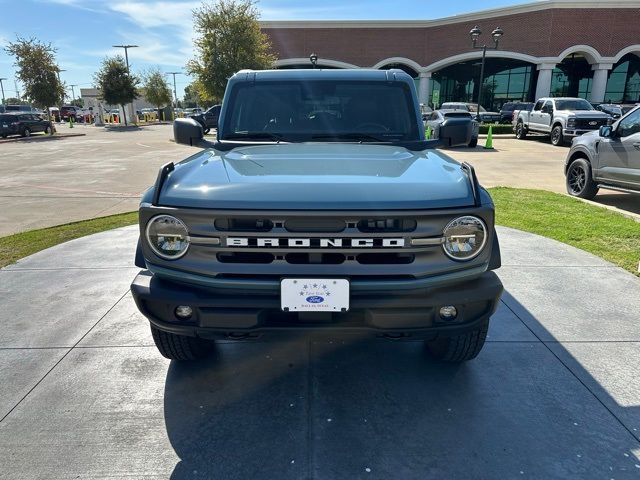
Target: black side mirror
[(187, 131), (456, 132), (606, 131)]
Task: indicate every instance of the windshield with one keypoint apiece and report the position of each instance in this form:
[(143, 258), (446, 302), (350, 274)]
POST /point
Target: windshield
[(577, 104), (321, 110)]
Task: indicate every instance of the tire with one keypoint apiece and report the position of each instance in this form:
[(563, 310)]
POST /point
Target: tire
[(26, 132), (180, 347), (557, 139), (4, 135), (521, 132), (459, 348), (579, 181), (47, 130), (473, 143)]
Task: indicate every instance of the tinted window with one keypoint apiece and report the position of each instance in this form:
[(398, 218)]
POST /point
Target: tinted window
[(538, 105), (6, 118), (630, 125), (576, 104), (457, 115), (299, 111)]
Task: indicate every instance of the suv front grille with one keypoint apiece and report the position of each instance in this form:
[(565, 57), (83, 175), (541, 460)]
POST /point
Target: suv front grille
[(590, 123)]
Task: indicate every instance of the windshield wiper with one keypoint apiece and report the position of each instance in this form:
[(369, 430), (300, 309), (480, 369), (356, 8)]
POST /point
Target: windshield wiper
[(351, 136), (277, 137)]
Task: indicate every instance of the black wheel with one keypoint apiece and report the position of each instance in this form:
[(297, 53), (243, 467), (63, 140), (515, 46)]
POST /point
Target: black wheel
[(47, 130), (180, 347), (4, 135), (579, 180), (459, 348), (473, 143), (26, 132), (521, 132), (557, 138)]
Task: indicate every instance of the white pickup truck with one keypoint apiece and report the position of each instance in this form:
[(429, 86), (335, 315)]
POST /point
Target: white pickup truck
[(561, 118)]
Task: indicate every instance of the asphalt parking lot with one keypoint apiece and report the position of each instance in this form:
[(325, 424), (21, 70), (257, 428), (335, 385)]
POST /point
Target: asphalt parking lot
[(50, 182), (555, 394)]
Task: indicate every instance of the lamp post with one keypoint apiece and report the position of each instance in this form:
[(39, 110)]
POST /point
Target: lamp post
[(126, 52), (313, 58), (73, 93), (2, 88), (132, 111), (175, 93), (58, 70), (475, 34)]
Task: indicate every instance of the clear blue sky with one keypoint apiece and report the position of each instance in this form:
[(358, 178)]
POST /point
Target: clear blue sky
[(83, 31)]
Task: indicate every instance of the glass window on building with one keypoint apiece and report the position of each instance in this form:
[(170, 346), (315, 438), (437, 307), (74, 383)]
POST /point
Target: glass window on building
[(572, 77), (624, 81), (505, 80)]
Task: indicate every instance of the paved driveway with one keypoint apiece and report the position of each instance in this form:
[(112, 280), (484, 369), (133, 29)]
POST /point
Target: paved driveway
[(555, 394)]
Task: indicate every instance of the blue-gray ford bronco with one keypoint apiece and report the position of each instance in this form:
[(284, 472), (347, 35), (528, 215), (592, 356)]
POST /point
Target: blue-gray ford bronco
[(319, 207)]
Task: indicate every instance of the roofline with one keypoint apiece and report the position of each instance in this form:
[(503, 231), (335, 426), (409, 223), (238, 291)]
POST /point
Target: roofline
[(465, 17)]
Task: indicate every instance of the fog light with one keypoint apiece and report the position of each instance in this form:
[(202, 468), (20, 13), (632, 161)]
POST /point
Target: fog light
[(448, 312), (184, 311)]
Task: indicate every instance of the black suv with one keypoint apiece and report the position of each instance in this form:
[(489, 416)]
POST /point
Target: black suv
[(208, 119), (23, 124)]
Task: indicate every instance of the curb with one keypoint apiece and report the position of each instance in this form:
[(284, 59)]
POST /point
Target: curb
[(39, 138)]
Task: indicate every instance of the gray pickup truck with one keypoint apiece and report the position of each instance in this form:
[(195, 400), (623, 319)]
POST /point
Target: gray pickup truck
[(560, 118), (607, 159), (319, 208)]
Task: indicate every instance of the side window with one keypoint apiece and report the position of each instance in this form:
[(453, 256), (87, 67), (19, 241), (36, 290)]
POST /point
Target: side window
[(630, 125), (538, 105), (548, 104)]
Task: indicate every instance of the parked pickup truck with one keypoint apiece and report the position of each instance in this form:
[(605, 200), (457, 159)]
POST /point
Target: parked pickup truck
[(607, 159), (561, 118), (320, 207)]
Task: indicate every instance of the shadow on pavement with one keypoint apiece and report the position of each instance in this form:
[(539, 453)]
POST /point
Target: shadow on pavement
[(334, 409), (629, 202)]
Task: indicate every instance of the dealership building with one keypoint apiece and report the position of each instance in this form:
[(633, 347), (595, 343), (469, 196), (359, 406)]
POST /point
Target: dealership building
[(588, 49)]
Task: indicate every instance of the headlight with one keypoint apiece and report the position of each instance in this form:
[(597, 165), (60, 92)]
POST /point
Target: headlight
[(464, 238), (167, 236), (571, 122)]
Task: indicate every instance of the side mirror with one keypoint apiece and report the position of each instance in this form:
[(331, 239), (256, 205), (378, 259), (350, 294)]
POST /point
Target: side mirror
[(187, 131), (606, 131), (456, 132)]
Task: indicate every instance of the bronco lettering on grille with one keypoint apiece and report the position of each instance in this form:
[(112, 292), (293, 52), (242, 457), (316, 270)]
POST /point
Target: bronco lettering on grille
[(315, 242)]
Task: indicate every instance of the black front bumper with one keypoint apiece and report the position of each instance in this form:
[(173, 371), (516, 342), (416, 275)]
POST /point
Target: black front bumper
[(247, 313)]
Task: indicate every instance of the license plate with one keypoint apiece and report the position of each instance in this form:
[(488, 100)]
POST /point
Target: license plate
[(314, 295)]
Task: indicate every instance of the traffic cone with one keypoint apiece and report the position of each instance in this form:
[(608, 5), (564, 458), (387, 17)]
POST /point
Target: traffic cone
[(489, 143), (428, 133), (70, 123)]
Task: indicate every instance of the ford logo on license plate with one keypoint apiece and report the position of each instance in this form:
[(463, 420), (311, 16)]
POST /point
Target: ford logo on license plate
[(315, 299)]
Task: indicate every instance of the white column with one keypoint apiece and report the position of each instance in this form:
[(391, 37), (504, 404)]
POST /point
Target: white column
[(424, 86), (543, 87), (599, 84)]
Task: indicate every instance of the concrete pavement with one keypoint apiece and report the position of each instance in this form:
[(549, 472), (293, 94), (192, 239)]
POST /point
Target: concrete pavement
[(555, 394)]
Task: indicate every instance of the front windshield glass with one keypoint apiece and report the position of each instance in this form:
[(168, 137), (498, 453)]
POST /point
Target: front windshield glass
[(577, 104), (335, 110)]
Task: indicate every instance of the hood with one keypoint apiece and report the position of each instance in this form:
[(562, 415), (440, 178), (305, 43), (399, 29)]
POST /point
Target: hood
[(586, 113), (317, 176)]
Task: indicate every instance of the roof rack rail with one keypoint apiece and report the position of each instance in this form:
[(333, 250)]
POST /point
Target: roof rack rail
[(473, 180), (164, 172)]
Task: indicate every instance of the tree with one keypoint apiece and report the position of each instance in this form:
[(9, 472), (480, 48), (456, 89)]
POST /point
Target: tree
[(116, 84), (37, 70), (156, 89), (228, 39), (78, 102), (191, 96)]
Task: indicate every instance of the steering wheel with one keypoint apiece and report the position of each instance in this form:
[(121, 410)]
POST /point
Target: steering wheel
[(376, 126)]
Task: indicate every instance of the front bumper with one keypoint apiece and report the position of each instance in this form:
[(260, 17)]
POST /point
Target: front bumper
[(238, 313), (572, 132)]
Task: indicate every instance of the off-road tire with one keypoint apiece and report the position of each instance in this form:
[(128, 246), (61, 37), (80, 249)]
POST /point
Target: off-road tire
[(521, 132), (557, 138), (180, 347), (579, 181), (473, 143), (459, 348)]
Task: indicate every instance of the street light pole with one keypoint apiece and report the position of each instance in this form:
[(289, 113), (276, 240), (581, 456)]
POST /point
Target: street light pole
[(60, 81), (73, 93), (175, 93), (126, 52), (2, 88), (475, 34)]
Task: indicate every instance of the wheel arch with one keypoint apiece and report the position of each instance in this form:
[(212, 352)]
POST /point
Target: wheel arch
[(573, 156)]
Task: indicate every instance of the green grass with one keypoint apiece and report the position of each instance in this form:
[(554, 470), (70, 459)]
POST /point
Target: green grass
[(602, 232), (597, 230), (23, 244)]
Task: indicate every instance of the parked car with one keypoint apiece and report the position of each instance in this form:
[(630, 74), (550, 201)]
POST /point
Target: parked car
[(16, 108), (561, 118), (613, 110), (23, 124), (70, 111), (506, 112), (426, 111), (209, 119), (295, 221), (440, 118), (483, 116), (54, 112), (608, 158), (189, 112)]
